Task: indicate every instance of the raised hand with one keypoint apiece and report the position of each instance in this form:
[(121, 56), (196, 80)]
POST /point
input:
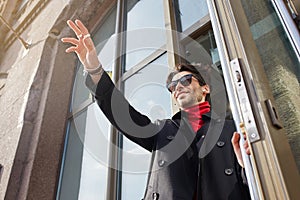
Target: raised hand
[(83, 45)]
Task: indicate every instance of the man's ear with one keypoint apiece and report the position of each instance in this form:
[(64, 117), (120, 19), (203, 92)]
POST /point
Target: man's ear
[(205, 89)]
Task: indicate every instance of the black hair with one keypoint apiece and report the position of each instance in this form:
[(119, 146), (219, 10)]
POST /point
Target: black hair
[(195, 70)]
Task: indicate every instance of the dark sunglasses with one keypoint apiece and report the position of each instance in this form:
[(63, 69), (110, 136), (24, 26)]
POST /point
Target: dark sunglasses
[(184, 80)]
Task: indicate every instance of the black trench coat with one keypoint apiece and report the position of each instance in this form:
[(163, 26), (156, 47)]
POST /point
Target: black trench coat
[(184, 165)]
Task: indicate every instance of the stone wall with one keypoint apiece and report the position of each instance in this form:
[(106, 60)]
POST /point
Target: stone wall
[(21, 100), (35, 90)]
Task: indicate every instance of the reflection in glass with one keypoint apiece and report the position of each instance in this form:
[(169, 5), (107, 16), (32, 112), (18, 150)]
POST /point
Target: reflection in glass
[(202, 49), (80, 92), (281, 66), (71, 171), (145, 30), (84, 172), (94, 158), (104, 40), (189, 12), (146, 92)]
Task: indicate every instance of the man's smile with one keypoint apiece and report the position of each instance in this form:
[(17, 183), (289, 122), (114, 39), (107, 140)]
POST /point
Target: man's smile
[(180, 94)]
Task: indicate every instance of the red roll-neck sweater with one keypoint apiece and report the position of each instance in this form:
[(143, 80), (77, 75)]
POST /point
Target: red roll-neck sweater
[(195, 114)]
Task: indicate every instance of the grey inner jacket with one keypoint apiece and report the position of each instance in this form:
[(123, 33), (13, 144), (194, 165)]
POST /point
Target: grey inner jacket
[(185, 165)]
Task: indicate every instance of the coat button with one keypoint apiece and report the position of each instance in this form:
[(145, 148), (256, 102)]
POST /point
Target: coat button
[(220, 143), (228, 171), (170, 137), (161, 163), (155, 196)]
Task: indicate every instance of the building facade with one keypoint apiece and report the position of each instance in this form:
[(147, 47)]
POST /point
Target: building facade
[(55, 142)]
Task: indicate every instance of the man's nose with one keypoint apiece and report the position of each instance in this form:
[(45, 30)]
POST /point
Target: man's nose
[(178, 87)]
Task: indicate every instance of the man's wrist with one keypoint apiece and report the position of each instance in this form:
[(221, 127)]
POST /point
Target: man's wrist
[(96, 71)]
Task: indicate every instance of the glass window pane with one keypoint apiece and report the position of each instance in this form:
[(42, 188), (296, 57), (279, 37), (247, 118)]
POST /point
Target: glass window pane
[(189, 12), (145, 30), (80, 92), (145, 13), (202, 49), (94, 158), (147, 93), (85, 164), (281, 66), (84, 173), (104, 40), (71, 172)]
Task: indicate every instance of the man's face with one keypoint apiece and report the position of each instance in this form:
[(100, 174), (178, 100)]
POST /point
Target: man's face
[(189, 95)]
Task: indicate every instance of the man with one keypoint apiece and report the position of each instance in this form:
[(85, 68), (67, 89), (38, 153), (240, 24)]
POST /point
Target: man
[(182, 166)]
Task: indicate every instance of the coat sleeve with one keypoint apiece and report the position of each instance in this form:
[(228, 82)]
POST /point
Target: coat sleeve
[(134, 125)]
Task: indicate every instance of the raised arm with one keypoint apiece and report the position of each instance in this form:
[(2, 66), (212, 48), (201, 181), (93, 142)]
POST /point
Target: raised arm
[(85, 49), (136, 126)]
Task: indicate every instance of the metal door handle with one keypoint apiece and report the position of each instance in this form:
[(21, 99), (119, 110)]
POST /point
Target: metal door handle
[(273, 114)]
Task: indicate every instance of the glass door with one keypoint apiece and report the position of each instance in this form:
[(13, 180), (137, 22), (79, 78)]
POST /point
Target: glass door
[(261, 68)]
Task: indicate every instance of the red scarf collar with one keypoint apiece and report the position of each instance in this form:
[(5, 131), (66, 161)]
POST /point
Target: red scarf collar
[(195, 114)]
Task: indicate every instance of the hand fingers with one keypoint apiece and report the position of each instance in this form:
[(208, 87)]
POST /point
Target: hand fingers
[(82, 33), (248, 151), (70, 40), (71, 49), (235, 143), (86, 36), (246, 147), (235, 138), (236, 147), (75, 49), (79, 28), (82, 27), (88, 44), (74, 27), (80, 52)]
